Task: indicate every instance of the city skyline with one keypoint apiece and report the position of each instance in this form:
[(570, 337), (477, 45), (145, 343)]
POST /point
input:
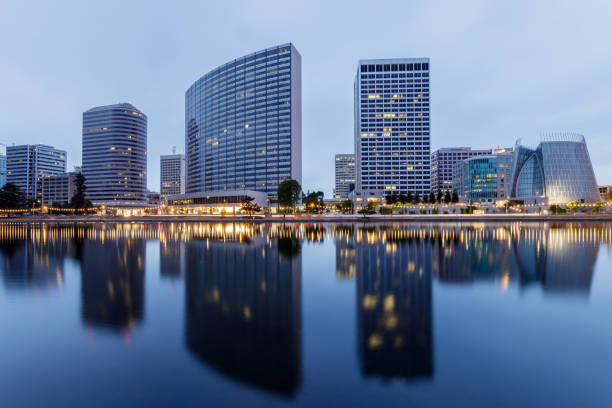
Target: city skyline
[(537, 76)]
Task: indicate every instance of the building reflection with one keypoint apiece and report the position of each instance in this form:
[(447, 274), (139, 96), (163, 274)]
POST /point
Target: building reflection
[(243, 306), (31, 259), (172, 262), (394, 312), (345, 252), (112, 282), (560, 259)]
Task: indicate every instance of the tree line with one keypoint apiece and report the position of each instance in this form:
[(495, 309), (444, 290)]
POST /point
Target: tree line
[(13, 198)]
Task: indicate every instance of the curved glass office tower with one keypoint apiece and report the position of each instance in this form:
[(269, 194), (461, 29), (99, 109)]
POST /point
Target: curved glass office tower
[(559, 169), (115, 154), (243, 124)]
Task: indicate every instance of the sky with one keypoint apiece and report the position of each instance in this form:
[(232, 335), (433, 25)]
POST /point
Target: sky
[(500, 70)]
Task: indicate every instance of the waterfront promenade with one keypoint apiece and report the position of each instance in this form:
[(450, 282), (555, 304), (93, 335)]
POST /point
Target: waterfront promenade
[(317, 218)]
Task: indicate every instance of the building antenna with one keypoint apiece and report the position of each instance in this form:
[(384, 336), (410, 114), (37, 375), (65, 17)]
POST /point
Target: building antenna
[(173, 149)]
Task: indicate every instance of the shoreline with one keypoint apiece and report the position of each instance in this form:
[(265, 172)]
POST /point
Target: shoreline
[(314, 219)]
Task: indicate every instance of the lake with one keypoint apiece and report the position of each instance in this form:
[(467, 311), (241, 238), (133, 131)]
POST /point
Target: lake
[(308, 315)]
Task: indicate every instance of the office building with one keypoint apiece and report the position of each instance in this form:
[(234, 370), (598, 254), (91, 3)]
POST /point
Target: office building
[(2, 170), (345, 175), (27, 166), (392, 127), (484, 179), (115, 155), (58, 189), (442, 163), (559, 169), (171, 174), (243, 124)]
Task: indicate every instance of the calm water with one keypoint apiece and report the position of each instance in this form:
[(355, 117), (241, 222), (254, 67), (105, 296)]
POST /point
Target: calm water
[(475, 315)]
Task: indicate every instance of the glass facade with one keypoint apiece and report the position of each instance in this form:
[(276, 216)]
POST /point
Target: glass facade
[(559, 169), (243, 124), (442, 163), (392, 127), (483, 178), (115, 154)]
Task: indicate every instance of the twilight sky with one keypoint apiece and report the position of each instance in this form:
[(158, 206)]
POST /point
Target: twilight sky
[(499, 70)]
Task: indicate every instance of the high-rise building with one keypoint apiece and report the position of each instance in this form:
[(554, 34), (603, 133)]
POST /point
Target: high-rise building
[(171, 174), (115, 154), (27, 166), (243, 124), (345, 175), (392, 127), (58, 189), (559, 169), (2, 170), (484, 179), (442, 162)]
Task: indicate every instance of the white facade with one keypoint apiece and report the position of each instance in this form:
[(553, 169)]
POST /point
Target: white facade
[(171, 174), (392, 127), (345, 175)]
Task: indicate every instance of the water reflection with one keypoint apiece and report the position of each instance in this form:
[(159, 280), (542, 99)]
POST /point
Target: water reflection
[(31, 261), (243, 282), (112, 282), (394, 307), (244, 308)]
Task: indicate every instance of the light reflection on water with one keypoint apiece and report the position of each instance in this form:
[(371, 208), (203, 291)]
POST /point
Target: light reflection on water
[(242, 293)]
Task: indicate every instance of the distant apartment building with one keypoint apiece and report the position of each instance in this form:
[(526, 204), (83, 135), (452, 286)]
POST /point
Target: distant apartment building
[(115, 155), (2, 170), (58, 189), (484, 179), (171, 174), (442, 163), (28, 166), (345, 175), (243, 124), (392, 127)]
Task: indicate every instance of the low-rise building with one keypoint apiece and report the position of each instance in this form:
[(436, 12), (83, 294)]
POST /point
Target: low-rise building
[(605, 192), (215, 202), (58, 189), (443, 162), (484, 179)]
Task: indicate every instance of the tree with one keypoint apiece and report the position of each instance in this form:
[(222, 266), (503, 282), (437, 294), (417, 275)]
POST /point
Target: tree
[(392, 199), (370, 208), (432, 198), (12, 197), (314, 201), (249, 206), (289, 193), (447, 197), (78, 200), (439, 197), (346, 206), (572, 206), (455, 198), (410, 198), (598, 206)]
